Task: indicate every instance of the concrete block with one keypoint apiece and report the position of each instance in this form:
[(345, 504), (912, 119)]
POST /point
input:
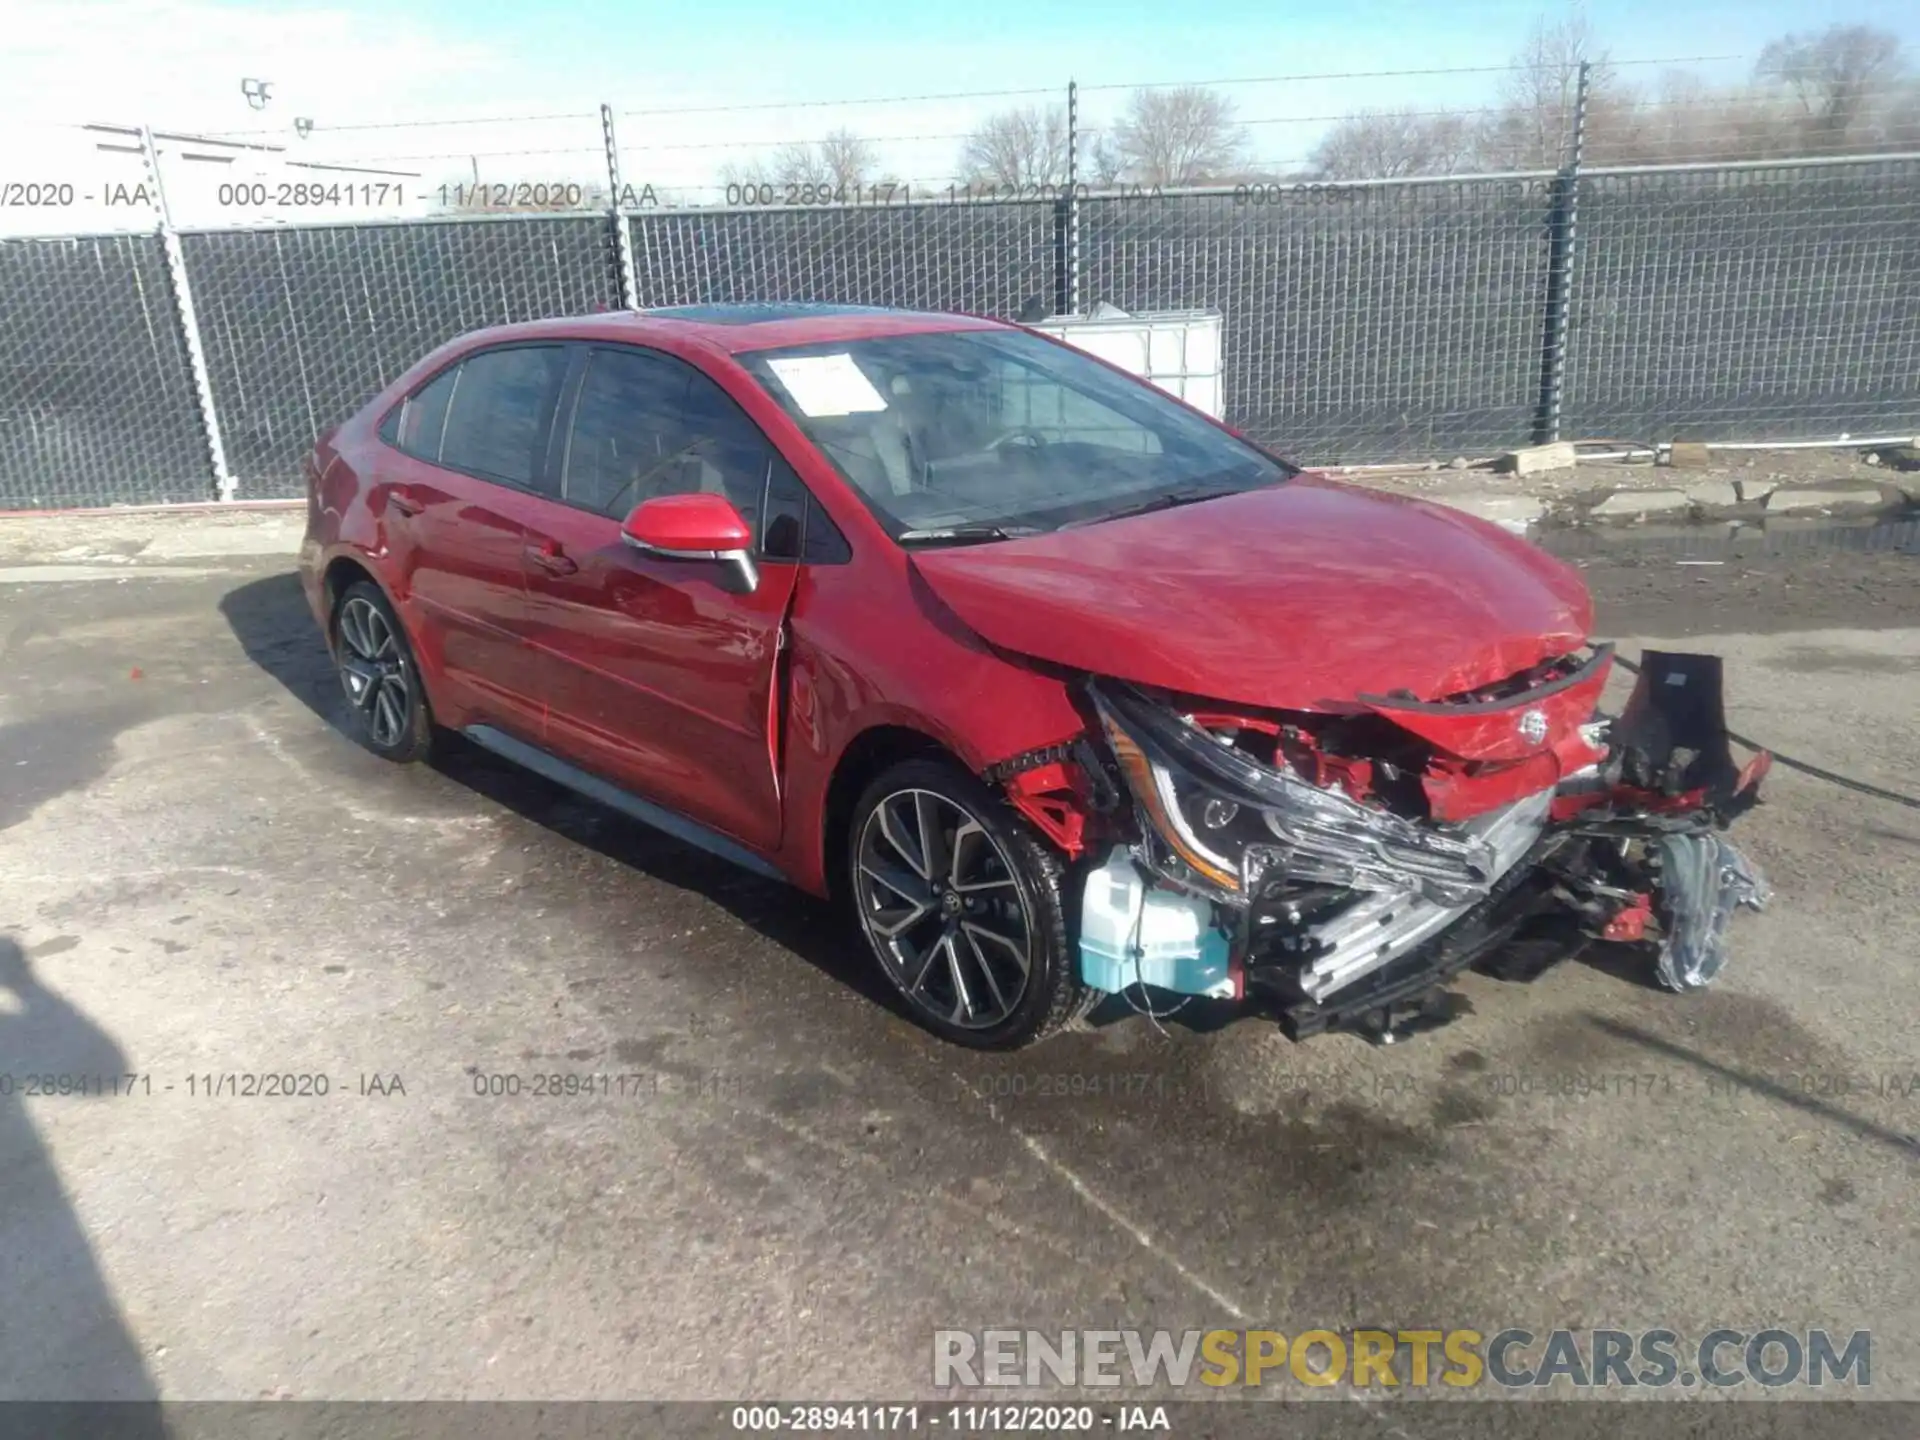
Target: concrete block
[(1832, 495), (1688, 455), (1632, 504), (1534, 459), (1517, 513), (1714, 494)]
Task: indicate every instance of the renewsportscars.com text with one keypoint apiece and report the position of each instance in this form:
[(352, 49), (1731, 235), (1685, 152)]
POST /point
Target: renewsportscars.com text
[(1460, 1358)]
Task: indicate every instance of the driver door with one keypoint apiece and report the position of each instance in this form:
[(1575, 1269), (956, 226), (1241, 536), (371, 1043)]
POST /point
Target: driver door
[(657, 676)]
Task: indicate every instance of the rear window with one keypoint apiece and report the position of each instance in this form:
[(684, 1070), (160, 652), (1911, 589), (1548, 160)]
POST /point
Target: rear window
[(424, 417)]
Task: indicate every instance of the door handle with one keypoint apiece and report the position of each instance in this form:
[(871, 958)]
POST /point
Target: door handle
[(403, 502), (552, 559)]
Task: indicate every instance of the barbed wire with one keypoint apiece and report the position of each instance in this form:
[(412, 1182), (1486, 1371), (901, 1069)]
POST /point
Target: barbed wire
[(1213, 82), (1705, 123), (593, 116)]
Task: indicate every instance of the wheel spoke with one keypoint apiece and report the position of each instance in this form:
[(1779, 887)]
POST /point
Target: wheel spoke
[(962, 833), (1016, 948), (352, 632), (904, 883), (903, 847), (956, 875), (922, 969), (893, 929), (386, 726), (963, 1001), (986, 970), (381, 636), (396, 689), (926, 820)]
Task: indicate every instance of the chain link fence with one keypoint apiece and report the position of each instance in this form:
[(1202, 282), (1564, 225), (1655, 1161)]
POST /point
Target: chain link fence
[(984, 257), (1747, 303), (1364, 321), (96, 393), (302, 325)]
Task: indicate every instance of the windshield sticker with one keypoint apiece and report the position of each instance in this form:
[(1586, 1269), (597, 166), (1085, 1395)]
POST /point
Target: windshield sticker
[(827, 385)]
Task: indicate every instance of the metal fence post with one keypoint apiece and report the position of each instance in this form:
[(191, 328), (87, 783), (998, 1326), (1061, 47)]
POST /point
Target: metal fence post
[(622, 241), (176, 258), (1563, 215), (1073, 198)]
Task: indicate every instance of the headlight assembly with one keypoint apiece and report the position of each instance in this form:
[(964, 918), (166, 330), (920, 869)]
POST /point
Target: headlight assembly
[(1232, 820)]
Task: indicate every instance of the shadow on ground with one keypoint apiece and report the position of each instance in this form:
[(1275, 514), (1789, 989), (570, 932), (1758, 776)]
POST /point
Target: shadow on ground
[(62, 1336), (270, 619)]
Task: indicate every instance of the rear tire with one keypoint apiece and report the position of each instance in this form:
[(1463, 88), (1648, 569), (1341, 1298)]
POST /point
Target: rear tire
[(387, 704), (962, 908)]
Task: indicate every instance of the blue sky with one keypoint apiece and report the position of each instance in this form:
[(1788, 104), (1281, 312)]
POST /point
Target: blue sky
[(348, 64), (736, 51)]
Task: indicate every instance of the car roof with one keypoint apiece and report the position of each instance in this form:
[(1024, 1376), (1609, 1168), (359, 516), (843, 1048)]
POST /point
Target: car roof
[(743, 327)]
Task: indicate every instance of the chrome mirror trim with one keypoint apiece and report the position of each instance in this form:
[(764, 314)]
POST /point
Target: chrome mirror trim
[(744, 574)]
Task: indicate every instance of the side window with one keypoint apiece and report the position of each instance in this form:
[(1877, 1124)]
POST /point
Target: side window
[(796, 527), (626, 432), (424, 416), (647, 425), (825, 544), (784, 535), (501, 411)]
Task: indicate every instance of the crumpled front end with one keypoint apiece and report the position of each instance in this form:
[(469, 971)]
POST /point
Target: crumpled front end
[(1342, 866)]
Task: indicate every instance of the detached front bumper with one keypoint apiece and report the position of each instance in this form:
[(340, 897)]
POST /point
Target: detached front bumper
[(1339, 913)]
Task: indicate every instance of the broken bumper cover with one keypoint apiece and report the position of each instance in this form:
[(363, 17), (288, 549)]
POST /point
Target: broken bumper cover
[(1703, 880), (1399, 905), (1308, 833)]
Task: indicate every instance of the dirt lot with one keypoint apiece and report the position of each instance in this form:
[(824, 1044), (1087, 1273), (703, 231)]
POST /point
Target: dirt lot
[(201, 878)]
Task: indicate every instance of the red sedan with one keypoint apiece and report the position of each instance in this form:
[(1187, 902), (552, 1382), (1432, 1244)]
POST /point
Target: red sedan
[(1064, 688)]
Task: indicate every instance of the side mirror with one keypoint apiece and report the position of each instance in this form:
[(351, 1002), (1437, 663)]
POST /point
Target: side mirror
[(695, 527)]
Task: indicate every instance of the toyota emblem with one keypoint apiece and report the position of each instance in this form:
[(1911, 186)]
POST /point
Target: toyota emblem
[(1533, 726)]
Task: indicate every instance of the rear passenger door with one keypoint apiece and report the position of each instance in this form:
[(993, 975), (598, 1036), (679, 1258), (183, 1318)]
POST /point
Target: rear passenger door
[(657, 676), (471, 445)]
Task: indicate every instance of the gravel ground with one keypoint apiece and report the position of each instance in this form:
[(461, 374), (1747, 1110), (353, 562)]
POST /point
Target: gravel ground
[(200, 877)]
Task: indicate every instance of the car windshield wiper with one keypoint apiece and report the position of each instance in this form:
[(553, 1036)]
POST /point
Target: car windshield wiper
[(1188, 495), (963, 534)]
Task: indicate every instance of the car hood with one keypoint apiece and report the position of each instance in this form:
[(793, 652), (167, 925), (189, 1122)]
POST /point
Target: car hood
[(1299, 596)]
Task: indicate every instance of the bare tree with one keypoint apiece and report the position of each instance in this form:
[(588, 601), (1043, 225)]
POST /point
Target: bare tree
[(840, 161), (1833, 77), (1105, 164), (801, 164), (1018, 148), (1898, 125), (1686, 120), (1381, 144), (1530, 129), (751, 176), (1845, 89), (1181, 136), (848, 160)]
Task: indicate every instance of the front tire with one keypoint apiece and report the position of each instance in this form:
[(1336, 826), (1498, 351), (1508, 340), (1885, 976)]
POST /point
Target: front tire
[(962, 908), (388, 704)]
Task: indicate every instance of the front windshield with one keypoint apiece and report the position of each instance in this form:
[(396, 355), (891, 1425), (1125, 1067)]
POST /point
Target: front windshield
[(979, 431)]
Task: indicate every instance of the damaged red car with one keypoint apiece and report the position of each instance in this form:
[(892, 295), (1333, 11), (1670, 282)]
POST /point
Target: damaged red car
[(1063, 688)]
